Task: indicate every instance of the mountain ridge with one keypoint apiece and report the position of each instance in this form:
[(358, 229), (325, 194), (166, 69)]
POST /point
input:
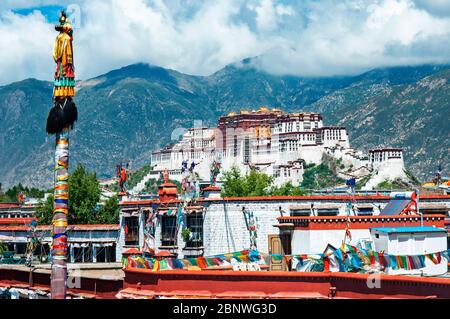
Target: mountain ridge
[(126, 113)]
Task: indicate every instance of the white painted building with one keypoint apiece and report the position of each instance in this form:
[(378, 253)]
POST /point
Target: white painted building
[(310, 235), (14, 210), (273, 142), (411, 241), (388, 164), (86, 243), (308, 224), (269, 140)]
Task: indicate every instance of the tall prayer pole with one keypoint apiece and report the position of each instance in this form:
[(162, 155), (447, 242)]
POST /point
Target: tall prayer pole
[(60, 212), (59, 122)]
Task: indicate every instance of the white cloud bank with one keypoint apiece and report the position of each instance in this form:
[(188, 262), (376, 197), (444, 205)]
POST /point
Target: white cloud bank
[(307, 37)]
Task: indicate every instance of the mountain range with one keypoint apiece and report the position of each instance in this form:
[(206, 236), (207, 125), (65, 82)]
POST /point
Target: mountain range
[(127, 113)]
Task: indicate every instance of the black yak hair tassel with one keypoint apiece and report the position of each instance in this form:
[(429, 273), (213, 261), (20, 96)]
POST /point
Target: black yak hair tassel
[(63, 114), (55, 120), (70, 113)]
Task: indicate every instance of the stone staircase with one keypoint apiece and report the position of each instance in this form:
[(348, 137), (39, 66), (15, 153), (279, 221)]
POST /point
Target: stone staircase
[(141, 185)]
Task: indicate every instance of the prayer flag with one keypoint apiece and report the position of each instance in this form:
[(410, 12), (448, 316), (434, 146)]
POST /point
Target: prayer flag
[(277, 257), (393, 262), (404, 262), (178, 264), (163, 265), (179, 215), (156, 265), (193, 261), (202, 262)]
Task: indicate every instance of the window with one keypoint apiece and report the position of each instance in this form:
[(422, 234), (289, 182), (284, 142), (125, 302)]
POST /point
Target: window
[(10, 247), (21, 248), (366, 243), (168, 231), (300, 212), (437, 210), (83, 254), (365, 211), (276, 172), (42, 251), (307, 126), (87, 254), (106, 254), (246, 150), (328, 212), (195, 224), (235, 148), (131, 230), (319, 138)]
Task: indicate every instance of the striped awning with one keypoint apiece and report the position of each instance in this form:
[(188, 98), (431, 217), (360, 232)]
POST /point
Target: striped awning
[(433, 206), (127, 212), (364, 206), (301, 207), (86, 243), (326, 206)]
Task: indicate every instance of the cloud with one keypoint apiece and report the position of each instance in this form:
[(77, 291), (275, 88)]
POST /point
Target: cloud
[(354, 36), (26, 43), (268, 12), (128, 32), (435, 7), (199, 37)]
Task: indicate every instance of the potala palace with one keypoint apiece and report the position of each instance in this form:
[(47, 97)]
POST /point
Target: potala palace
[(277, 143)]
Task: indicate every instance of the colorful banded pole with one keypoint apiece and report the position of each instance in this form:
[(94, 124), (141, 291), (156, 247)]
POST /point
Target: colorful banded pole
[(60, 212), (60, 121)]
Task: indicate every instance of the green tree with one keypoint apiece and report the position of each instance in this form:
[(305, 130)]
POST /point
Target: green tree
[(233, 183), (44, 212), (3, 248), (11, 195), (83, 202), (84, 192), (391, 185), (151, 186), (2, 195), (287, 189), (320, 176), (109, 212), (363, 181), (136, 176), (257, 183)]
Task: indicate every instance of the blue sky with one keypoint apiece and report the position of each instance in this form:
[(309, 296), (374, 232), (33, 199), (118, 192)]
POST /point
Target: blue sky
[(307, 38), (50, 12)]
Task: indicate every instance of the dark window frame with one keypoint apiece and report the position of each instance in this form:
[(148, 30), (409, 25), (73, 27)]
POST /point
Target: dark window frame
[(246, 150), (195, 224), (365, 211), (328, 212), (132, 238), (301, 212), (168, 231), (83, 254)]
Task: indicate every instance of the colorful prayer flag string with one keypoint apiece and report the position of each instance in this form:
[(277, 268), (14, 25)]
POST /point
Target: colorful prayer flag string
[(353, 259)]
